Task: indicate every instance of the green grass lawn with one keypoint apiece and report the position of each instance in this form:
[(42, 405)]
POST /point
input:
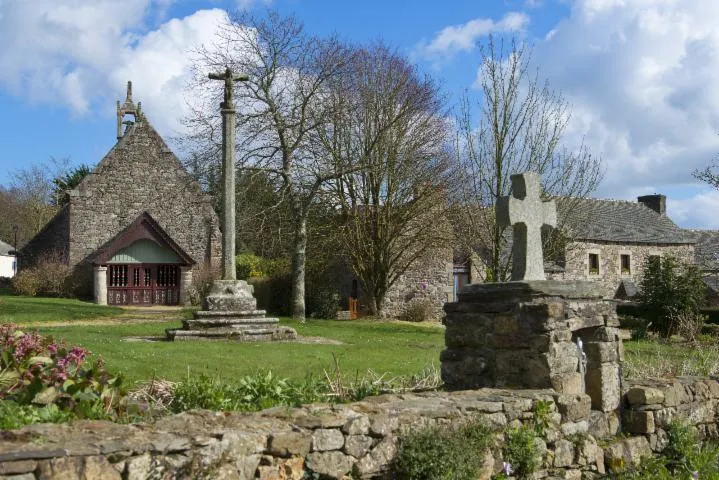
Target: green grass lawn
[(646, 359), (392, 348), (24, 310)]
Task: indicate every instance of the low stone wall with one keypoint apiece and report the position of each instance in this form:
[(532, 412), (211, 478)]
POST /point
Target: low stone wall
[(359, 438), (650, 405), (282, 443)]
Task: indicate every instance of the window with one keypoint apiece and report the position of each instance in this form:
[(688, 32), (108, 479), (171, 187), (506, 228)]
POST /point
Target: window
[(594, 264), (626, 264)]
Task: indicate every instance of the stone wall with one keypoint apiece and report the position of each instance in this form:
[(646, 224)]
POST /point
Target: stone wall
[(53, 239), (610, 275), (140, 174), (649, 406), (334, 440), (282, 443), (527, 335), (428, 280)]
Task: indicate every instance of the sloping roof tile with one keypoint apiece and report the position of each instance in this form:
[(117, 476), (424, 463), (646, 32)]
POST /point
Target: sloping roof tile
[(618, 221), (706, 251)]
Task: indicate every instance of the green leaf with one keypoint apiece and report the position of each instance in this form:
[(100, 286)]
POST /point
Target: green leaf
[(43, 360), (46, 397)]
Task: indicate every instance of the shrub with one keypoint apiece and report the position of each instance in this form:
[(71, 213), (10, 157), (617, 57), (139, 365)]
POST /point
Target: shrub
[(26, 282), (324, 303), (420, 310), (670, 289), (273, 293), (50, 276), (520, 450), (37, 370), (684, 457), (689, 325), (202, 279), (451, 452), (247, 266)]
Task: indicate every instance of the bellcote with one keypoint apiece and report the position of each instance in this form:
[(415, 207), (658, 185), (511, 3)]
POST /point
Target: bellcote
[(128, 108)]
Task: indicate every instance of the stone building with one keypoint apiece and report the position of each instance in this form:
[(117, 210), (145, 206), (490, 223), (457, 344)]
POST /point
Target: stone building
[(706, 256), (609, 241), (137, 225), (604, 241)]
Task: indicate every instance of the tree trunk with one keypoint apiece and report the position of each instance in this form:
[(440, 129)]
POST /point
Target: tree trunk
[(298, 267)]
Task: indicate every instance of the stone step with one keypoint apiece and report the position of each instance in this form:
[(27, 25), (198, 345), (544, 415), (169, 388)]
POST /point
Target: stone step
[(237, 335), (230, 313), (250, 322)]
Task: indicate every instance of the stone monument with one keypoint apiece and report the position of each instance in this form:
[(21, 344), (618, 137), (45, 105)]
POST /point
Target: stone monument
[(230, 309), (526, 213), (531, 332)]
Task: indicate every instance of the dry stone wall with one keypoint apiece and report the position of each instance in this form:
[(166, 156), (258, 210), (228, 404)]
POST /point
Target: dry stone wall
[(528, 335), (360, 439), (284, 443)]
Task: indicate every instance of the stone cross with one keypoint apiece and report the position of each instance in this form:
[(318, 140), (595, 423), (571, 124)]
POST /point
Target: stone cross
[(526, 212), (227, 107)]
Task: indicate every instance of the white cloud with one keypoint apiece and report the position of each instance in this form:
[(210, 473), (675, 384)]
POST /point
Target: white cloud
[(643, 77), (462, 38), (158, 65), (696, 211), (80, 54)]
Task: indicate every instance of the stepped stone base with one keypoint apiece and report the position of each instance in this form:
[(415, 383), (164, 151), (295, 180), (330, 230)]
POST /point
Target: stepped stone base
[(230, 313)]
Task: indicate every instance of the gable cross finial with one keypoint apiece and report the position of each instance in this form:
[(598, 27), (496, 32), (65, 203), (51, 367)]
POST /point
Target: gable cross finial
[(526, 213)]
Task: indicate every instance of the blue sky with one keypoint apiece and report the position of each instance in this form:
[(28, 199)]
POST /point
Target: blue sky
[(642, 75)]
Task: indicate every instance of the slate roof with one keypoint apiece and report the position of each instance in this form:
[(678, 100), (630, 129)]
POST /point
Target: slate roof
[(5, 249), (618, 221), (706, 250)]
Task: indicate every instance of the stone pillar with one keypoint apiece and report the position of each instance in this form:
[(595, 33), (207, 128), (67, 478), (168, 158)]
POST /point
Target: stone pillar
[(534, 335), (100, 284), (185, 282), (228, 181)]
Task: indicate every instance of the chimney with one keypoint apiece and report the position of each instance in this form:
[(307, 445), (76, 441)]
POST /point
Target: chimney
[(656, 202)]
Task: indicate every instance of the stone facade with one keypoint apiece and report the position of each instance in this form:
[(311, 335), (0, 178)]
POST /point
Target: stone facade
[(610, 273), (139, 175), (429, 280), (53, 239)]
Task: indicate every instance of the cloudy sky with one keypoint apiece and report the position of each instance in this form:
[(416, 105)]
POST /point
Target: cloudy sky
[(642, 75)]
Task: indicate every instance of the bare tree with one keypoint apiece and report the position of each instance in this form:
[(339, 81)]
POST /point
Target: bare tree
[(280, 105), (520, 126), (31, 199), (709, 175), (389, 125)]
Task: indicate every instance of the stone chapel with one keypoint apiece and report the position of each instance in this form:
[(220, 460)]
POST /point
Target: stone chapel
[(135, 228)]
